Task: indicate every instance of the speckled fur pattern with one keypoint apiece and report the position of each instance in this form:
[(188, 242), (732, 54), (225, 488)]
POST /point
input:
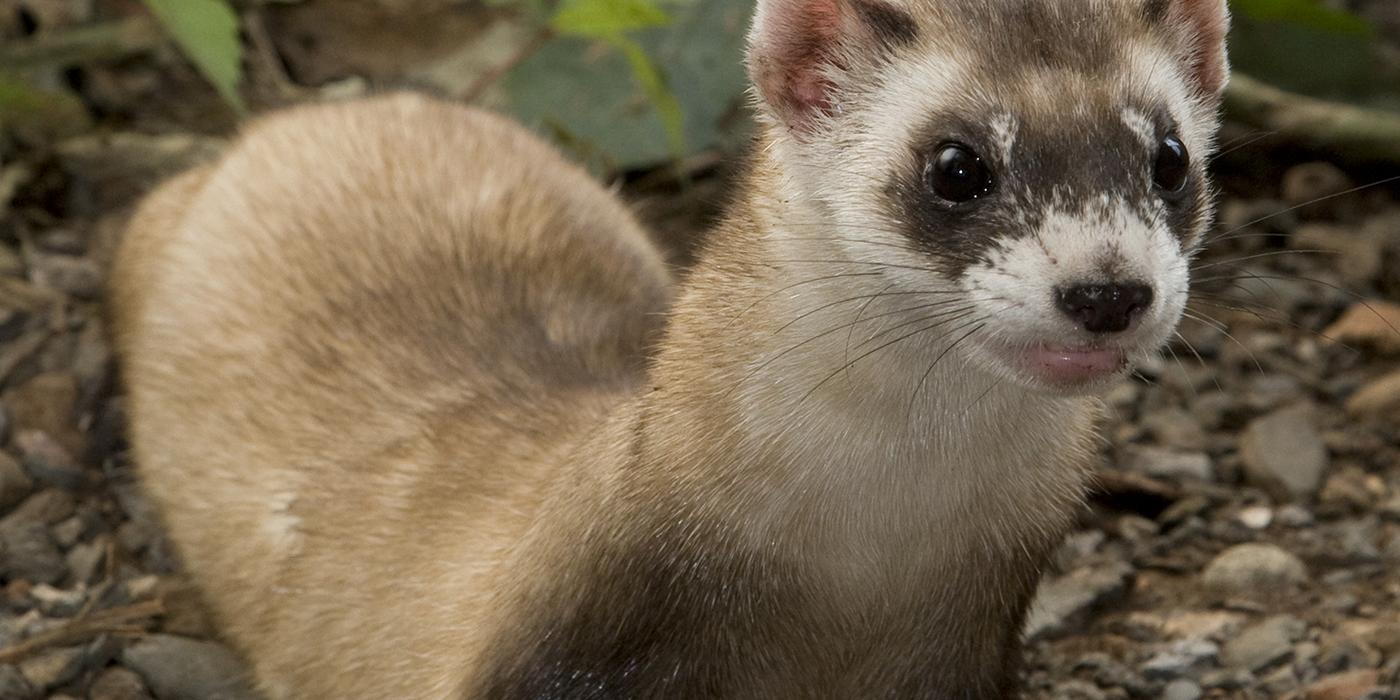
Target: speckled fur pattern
[(385, 363)]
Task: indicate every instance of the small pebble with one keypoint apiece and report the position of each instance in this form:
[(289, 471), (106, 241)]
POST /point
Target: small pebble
[(1256, 517), (1181, 689)]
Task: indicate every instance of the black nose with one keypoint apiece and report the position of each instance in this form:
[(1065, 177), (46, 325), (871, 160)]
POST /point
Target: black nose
[(1104, 308)]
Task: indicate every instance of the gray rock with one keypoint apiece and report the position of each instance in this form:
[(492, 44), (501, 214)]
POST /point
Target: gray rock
[(13, 685), (117, 683), (1390, 509), (12, 323), (15, 484), (85, 561), (1284, 454), (53, 668), (1251, 569), (1294, 515), (62, 240), (1270, 391), (1064, 601), (1180, 658), (1255, 517), (28, 552), (1182, 689), (1264, 644), (1076, 547), (79, 277), (1163, 462), (1078, 690), (1173, 427), (1355, 541), (179, 668), (56, 602), (49, 507), (1110, 674), (47, 461), (71, 530)]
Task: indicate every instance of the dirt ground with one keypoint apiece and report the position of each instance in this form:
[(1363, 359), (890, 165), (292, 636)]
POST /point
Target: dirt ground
[(1243, 541)]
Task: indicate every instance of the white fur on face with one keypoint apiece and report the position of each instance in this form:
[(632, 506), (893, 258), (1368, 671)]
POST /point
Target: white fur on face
[(1104, 241)]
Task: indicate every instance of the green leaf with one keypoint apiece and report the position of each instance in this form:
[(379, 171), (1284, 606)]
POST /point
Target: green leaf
[(35, 114), (1307, 13), (662, 99), (596, 105), (207, 31), (605, 19)]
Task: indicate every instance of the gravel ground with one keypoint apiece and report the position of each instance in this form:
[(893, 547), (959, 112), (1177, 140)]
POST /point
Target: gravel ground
[(1243, 541)]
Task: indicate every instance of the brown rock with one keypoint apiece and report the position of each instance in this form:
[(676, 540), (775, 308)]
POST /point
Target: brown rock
[(1380, 397), (1313, 187), (1350, 685), (47, 403), (1356, 255), (117, 683), (15, 484), (1284, 453), (1372, 324)]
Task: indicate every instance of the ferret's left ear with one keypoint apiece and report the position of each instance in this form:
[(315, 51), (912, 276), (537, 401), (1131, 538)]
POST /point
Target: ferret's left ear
[(1201, 26), (800, 52)]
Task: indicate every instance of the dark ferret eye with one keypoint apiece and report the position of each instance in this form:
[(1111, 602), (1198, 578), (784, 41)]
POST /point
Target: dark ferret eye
[(1173, 166), (957, 174)]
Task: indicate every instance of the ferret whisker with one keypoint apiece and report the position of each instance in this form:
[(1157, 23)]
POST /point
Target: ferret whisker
[(814, 280), (1256, 256), (850, 332), (913, 398), (1182, 366), (849, 239), (959, 314), (1242, 142), (1357, 298), (1279, 319), (906, 324), (863, 297), (1211, 321), (1246, 234), (1317, 200), (877, 263), (807, 341)]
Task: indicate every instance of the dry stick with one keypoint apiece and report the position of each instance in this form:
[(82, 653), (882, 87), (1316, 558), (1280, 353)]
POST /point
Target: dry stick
[(99, 42), (1354, 132), (81, 629), (491, 77), (265, 49)]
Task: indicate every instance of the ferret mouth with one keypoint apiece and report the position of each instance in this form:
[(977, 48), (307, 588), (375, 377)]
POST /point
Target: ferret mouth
[(1070, 366)]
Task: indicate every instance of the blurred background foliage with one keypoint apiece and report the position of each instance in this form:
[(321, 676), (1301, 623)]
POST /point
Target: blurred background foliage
[(625, 84)]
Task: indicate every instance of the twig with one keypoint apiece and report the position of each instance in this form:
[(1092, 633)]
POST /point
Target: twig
[(265, 49), (1351, 132), (81, 629), (97, 42), (490, 77)]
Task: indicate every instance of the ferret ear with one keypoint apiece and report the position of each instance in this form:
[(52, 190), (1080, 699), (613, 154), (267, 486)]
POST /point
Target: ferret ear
[(1202, 26), (796, 46)]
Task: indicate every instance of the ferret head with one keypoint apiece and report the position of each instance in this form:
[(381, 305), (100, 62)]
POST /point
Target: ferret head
[(1043, 158)]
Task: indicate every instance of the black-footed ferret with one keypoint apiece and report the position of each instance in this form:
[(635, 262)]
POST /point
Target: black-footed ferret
[(392, 388)]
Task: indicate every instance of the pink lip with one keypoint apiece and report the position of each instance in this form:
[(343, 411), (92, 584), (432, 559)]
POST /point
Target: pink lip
[(1071, 365)]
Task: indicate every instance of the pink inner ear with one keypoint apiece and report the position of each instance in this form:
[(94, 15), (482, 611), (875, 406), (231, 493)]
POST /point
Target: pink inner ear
[(1207, 22), (794, 40)]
